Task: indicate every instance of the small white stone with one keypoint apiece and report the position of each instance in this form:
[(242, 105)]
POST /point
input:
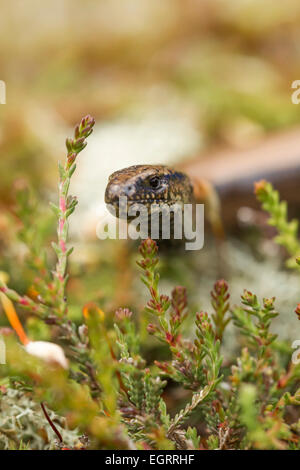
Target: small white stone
[(49, 352)]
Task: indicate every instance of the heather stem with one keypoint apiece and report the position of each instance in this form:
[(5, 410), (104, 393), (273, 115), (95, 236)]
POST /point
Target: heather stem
[(66, 206), (24, 301)]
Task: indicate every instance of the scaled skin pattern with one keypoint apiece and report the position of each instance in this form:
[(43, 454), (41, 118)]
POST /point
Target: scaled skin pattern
[(148, 184)]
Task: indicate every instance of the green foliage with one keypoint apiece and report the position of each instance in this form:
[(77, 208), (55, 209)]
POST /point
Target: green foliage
[(254, 321), (287, 231), (220, 304), (114, 394)]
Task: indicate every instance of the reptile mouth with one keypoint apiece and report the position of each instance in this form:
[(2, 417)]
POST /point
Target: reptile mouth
[(154, 199), (121, 211), (131, 202), (146, 201)]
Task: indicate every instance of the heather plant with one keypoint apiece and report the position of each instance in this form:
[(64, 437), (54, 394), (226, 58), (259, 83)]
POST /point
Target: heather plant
[(278, 218), (93, 383)]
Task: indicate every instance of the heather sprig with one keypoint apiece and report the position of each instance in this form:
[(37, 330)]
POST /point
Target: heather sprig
[(141, 403), (54, 303), (209, 360), (287, 230), (168, 322), (254, 321), (196, 366), (168, 315), (220, 304), (65, 208), (208, 349), (142, 388), (258, 380)]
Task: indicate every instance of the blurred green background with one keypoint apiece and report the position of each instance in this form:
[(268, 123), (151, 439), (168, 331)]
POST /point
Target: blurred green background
[(215, 70)]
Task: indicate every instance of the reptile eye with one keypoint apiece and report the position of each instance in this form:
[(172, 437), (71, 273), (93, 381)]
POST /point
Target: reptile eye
[(154, 182)]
